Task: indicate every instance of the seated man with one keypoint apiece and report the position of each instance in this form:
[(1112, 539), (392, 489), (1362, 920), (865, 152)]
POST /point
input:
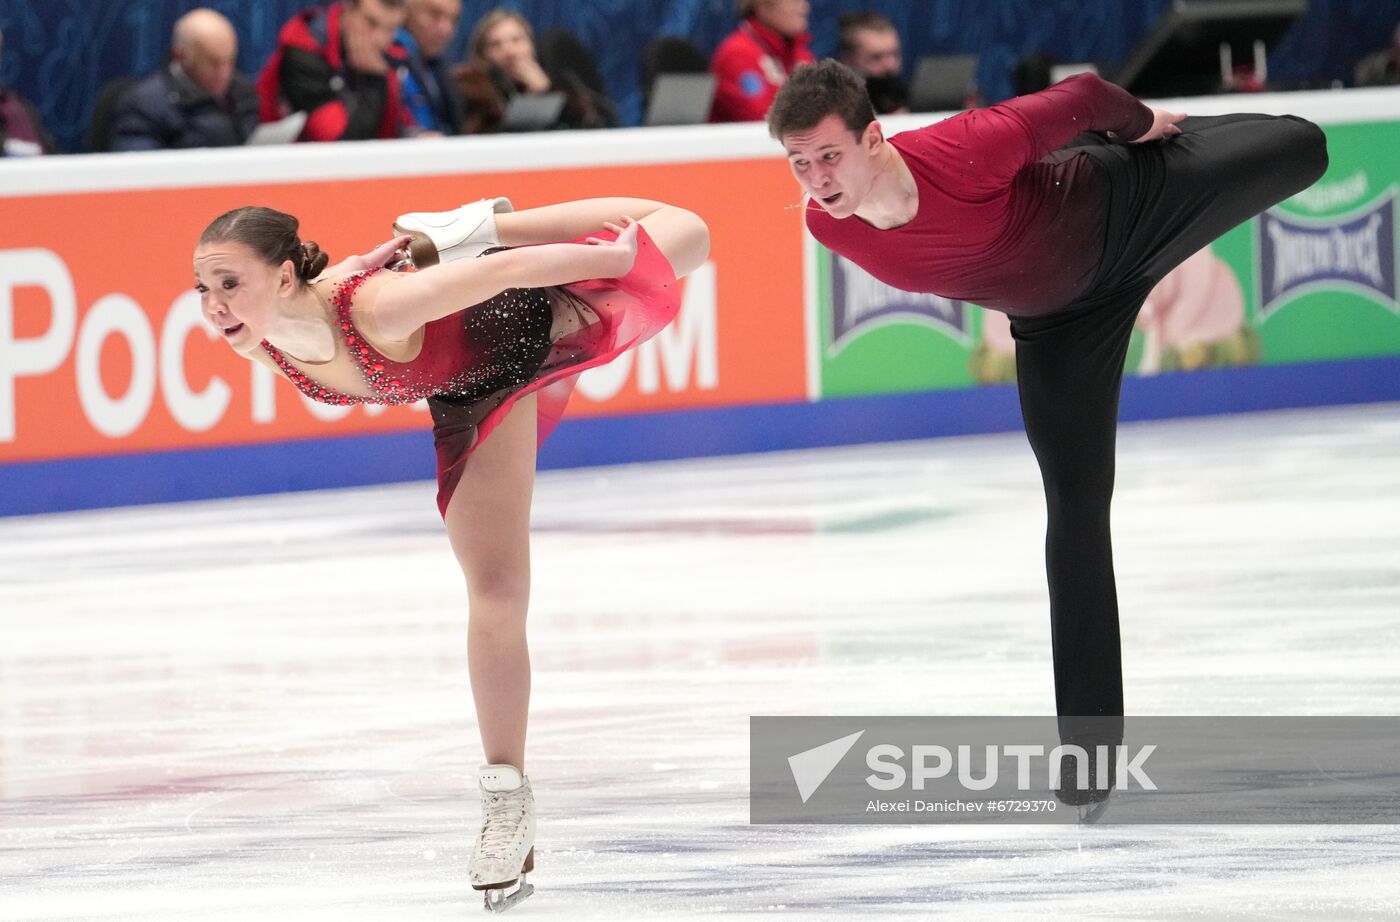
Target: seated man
[(429, 92), (869, 46), (756, 58), (337, 64), (197, 101)]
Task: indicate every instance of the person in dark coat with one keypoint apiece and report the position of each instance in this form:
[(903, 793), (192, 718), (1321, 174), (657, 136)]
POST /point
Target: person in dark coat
[(199, 100), (338, 64)]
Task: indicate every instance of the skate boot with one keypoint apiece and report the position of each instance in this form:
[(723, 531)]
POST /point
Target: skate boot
[(1090, 802), (442, 236), (505, 850)]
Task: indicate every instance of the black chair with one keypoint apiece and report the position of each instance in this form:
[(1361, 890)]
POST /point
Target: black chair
[(569, 61), (670, 54), (563, 52), (98, 138)]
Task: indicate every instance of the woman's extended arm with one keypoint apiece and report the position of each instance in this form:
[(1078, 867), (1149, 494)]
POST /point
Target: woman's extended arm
[(409, 302), (376, 258)]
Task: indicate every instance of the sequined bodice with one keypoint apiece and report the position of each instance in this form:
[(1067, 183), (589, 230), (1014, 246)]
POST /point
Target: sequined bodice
[(495, 345)]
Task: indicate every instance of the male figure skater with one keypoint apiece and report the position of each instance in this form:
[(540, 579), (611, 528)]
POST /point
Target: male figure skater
[(990, 207)]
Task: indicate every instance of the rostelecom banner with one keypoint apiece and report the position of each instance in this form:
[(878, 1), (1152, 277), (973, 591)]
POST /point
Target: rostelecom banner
[(103, 349)]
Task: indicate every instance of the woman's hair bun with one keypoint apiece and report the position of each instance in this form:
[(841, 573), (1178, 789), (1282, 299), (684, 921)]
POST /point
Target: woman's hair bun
[(313, 261)]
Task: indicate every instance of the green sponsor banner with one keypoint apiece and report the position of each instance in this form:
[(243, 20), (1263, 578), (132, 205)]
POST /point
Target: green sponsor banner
[(1313, 279)]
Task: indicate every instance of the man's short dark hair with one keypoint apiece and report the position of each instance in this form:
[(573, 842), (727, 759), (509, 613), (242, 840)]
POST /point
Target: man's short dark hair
[(859, 21), (813, 92)]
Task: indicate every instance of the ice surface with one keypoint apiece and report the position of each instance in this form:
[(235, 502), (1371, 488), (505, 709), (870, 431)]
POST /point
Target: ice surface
[(259, 708)]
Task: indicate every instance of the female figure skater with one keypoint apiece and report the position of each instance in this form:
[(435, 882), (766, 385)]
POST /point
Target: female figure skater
[(494, 344)]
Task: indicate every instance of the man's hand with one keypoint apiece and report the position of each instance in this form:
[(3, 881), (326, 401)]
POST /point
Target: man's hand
[(1163, 126)]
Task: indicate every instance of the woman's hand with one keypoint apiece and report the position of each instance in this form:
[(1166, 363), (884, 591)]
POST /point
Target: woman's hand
[(525, 70), (623, 250), (1163, 126), (390, 252)]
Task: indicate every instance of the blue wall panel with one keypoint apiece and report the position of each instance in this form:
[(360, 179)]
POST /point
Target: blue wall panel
[(59, 52)]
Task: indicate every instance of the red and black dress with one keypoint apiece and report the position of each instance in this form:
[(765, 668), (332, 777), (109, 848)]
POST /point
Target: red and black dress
[(476, 363)]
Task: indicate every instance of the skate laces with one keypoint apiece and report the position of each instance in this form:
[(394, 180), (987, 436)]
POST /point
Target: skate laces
[(504, 812)]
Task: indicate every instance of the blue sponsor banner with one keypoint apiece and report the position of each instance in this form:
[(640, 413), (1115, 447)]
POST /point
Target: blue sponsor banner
[(860, 302), (1355, 251)]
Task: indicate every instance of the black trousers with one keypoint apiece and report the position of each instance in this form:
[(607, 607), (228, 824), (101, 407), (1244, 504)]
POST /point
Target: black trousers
[(1167, 200)]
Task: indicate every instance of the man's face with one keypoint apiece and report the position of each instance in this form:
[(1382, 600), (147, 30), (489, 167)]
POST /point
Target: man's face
[(833, 165), (209, 60), (786, 17), (876, 53), (378, 20), (432, 24)]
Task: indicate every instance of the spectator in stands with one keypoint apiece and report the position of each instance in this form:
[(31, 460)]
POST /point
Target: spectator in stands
[(429, 92), (337, 64), (22, 132), (1381, 68), (755, 59), (199, 100), (869, 45), (503, 64)]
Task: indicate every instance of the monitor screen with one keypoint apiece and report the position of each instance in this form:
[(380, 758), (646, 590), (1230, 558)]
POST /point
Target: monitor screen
[(1181, 57)]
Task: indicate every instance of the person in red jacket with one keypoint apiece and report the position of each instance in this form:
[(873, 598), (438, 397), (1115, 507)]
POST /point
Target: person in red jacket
[(754, 60), (337, 64), (991, 207)]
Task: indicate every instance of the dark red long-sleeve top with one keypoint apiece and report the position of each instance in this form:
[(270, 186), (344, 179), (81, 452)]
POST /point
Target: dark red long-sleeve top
[(1006, 219)]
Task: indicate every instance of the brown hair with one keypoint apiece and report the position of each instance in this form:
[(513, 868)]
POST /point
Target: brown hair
[(491, 20), (271, 235), (813, 92), (391, 4), (861, 20)]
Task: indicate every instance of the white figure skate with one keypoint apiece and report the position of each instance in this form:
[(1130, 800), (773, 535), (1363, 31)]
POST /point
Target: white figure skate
[(442, 236), (505, 850)]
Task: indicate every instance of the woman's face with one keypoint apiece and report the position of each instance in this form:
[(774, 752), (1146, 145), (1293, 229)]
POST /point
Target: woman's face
[(786, 17), (238, 292), (507, 44)]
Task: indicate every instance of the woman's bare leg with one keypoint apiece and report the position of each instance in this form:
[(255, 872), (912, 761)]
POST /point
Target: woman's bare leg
[(488, 523), (681, 237)]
